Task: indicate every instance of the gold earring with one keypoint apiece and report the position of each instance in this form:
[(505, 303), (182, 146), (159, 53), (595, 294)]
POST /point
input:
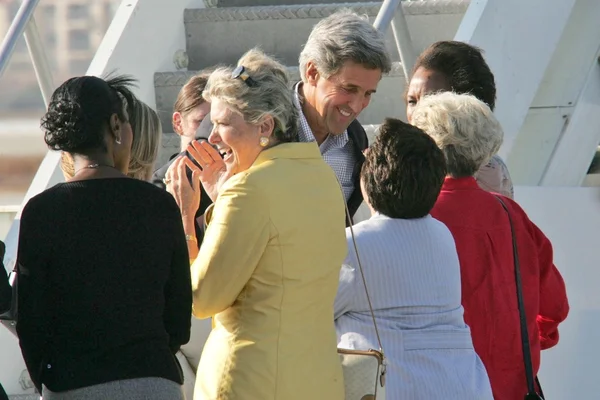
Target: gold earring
[(264, 141)]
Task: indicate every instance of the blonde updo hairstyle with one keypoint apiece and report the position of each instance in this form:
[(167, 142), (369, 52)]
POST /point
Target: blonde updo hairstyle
[(269, 95)]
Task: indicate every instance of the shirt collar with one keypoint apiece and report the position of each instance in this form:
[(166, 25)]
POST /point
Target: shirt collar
[(468, 183), (378, 215)]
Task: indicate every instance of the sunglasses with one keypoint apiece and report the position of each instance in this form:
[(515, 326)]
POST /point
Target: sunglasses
[(241, 73)]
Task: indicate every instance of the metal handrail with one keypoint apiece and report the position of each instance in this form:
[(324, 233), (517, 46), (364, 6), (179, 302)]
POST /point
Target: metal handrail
[(39, 60), (385, 15), (391, 13), (17, 27), (24, 23)]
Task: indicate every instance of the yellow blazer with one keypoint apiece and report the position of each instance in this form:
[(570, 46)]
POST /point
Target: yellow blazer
[(268, 271)]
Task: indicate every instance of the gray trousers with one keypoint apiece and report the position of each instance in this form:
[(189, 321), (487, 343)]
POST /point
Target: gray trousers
[(130, 389)]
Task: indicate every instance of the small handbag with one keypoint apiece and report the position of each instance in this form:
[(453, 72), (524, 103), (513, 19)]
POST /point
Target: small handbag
[(8, 318), (532, 394), (364, 370)]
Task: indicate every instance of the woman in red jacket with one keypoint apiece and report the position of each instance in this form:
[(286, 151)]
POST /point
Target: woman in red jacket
[(469, 134)]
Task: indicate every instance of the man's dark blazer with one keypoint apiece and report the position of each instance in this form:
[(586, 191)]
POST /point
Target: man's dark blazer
[(356, 135)]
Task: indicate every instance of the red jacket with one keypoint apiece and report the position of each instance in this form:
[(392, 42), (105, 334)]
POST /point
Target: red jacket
[(481, 231)]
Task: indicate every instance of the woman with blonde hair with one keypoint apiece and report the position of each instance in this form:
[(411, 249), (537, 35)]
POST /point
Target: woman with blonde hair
[(468, 134), (147, 132), (274, 244)]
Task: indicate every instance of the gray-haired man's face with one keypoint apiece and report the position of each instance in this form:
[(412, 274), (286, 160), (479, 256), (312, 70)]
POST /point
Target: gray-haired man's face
[(340, 98)]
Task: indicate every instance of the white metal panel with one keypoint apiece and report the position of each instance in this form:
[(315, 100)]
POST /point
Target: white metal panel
[(534, 145), (577, 146), (570, 218), (142, 39), (591, 180), (519, 39), (560, 89), (568, 68)]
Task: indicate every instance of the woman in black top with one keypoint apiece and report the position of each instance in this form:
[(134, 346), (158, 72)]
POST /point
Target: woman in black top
[(5, 298), (104, 277)]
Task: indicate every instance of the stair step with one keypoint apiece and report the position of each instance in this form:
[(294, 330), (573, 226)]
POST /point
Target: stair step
[(249, 3), (222, 35)]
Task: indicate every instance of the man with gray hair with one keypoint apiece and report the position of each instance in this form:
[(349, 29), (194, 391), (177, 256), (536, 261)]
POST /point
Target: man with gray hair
[(341, 65)]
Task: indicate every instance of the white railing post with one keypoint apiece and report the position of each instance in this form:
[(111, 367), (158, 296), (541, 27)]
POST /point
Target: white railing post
[(386, 14), (24, 23), (17, 27), (403, 42), (391, 13), (39, 60)]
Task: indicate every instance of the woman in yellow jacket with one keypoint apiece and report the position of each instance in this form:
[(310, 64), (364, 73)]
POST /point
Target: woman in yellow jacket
[(269, 264)]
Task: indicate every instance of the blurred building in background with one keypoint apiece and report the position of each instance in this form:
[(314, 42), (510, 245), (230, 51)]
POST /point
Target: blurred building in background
[(71, 31)]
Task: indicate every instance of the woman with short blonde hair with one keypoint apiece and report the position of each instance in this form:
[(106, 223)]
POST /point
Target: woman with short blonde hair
[(268, 268), (463, 127), (254, 101), (469, 135)]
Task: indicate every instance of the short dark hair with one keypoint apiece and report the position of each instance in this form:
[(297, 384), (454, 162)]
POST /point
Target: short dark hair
[(403, 172), (80, 110), (463, 66)]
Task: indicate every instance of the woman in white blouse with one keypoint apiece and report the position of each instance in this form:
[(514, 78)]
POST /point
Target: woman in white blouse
[(412, 273)]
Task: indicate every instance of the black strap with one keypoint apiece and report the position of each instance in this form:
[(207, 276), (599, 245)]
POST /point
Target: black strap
[(531, 393)]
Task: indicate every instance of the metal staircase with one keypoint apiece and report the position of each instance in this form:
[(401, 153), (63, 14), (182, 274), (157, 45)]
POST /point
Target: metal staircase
[(281, 30)]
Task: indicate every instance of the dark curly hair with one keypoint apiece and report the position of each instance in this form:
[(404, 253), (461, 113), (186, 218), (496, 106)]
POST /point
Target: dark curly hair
[(463, 66), (80, 110), (403, 172)]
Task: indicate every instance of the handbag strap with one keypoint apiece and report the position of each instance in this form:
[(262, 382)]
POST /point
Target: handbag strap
[(522, 317), (362, 274)]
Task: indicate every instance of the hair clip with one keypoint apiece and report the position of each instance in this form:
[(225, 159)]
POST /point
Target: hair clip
[(240, 72)]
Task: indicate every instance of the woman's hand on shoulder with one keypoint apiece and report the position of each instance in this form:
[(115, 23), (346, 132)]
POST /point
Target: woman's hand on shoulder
[(213, 173), (186, 195)]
